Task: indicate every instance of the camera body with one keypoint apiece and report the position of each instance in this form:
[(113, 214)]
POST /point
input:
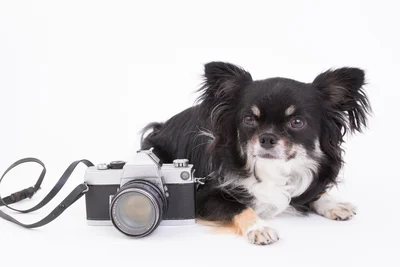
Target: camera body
[(168, 192)]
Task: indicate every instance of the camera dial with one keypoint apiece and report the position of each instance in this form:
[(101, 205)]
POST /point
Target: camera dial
[(118, 164), (114, 165), (178, 163), (102, 166)]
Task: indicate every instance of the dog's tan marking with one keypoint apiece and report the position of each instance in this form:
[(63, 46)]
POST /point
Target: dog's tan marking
[(255, 230), (248, 225), (256, 111), (290, 110), (244, 220), (239, 224)]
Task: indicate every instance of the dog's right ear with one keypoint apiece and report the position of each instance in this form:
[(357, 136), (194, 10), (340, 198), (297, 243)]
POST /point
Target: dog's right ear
[(222, 81), (220, 96)]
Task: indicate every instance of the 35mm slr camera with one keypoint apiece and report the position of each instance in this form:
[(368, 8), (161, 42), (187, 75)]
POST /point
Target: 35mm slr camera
[(138, 196)]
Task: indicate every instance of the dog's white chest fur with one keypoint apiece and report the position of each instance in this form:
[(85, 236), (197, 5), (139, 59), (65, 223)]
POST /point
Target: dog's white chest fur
[(275, 181)]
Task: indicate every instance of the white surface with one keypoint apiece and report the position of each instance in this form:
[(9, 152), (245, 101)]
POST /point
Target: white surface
[(78, 79)]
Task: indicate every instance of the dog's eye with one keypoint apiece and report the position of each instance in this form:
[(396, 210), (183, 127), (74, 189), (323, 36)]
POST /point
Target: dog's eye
[(297, 123), (249, 120)]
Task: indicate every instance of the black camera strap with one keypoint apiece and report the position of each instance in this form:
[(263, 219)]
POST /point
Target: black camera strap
[(204, 180), (77, 193)]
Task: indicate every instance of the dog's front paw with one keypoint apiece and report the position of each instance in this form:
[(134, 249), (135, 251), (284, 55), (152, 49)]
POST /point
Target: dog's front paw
[(260, 234), (341, 212), (331, 209)]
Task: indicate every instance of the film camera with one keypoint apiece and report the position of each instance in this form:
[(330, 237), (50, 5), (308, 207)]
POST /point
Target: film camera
[(138, 196)]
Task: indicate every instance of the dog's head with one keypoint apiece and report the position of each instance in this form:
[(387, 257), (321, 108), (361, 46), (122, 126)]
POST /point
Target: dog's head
[(280, 118)]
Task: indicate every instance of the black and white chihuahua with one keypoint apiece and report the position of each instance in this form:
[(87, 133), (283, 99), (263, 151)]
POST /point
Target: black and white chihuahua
[(275, 145)]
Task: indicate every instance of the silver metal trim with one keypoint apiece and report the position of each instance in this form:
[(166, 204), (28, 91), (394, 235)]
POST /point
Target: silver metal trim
[(102, 166), (151, 155), (178, 222), (93, 176), (99, 222), (178, 163), (163, 222), (172, 174), (87, 188), (200, 180)]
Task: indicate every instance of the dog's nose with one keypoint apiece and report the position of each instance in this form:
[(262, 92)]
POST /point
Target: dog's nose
[(268, 140)]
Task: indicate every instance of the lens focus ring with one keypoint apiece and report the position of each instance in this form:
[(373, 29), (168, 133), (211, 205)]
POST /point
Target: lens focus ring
[(138, 208)]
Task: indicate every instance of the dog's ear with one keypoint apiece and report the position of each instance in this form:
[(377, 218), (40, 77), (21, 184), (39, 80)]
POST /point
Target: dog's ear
[(222, 85), (220, 94), (222, 81), (343, 98)]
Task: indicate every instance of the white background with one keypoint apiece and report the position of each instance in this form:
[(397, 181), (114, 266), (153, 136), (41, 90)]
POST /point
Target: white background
[(79, 79)]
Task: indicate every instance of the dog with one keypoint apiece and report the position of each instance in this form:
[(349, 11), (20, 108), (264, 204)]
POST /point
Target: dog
[(272, 146)]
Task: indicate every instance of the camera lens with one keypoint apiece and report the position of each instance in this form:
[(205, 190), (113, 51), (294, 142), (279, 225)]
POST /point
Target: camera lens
[(138, 208)]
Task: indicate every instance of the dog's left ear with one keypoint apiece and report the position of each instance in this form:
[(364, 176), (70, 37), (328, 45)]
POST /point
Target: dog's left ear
[(223, 81), (343, 97), (224, 84)]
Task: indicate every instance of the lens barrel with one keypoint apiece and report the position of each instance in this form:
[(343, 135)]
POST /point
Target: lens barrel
[(138, 208)]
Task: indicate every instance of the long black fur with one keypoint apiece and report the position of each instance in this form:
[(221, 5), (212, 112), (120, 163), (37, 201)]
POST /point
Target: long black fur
[(335, 99)]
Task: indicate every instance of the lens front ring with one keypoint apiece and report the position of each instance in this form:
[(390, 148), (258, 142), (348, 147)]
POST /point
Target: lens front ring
[(137, 209)]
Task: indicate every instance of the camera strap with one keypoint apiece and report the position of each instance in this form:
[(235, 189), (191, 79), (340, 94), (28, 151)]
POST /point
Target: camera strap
[(75, 194), (202, 181)]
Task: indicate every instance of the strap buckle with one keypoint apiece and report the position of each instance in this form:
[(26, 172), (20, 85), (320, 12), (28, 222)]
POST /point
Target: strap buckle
[(201, 181), (86, 190)]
